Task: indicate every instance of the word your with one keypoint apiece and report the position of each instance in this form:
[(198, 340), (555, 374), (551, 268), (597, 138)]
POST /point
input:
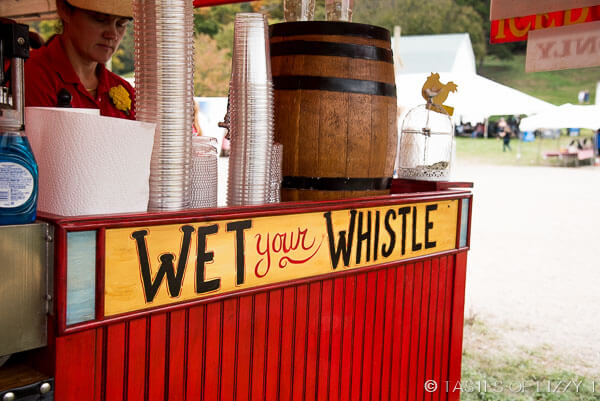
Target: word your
[(282, 244)]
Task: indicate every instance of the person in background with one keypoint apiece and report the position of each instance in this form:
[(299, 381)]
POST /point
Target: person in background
[(70, 69)]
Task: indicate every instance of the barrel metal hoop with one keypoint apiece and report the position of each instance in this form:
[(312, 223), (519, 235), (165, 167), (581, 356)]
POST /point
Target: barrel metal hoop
[(295, 82), (337, 28), (337, 183), (316, 48)]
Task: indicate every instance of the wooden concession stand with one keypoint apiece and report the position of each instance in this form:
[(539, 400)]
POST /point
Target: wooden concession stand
[(357, 299)]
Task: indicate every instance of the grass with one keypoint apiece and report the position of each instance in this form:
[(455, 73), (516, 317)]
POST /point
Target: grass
[(495, 371), (557, 87), (489, 151)]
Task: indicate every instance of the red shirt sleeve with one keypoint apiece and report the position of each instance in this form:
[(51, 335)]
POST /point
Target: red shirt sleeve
[(40, 86)]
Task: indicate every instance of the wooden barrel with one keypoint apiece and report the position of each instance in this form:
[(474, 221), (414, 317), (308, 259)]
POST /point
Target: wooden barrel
[(335, 109)]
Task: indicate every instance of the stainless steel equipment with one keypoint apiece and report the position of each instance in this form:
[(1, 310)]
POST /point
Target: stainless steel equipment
[(25, 262), (25, 250), (14, 46)]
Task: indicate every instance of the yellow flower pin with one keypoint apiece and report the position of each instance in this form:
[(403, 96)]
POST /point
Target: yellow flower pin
[(120, 98)]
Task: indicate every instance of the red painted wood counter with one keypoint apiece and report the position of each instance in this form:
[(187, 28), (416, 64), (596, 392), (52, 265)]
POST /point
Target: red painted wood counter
[(340, 300)]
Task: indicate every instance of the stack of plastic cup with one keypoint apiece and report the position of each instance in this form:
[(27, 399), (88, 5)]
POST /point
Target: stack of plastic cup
[(298, 10), (204, 172), (163, 35), (275, 175), (339, 10), (251, 112)]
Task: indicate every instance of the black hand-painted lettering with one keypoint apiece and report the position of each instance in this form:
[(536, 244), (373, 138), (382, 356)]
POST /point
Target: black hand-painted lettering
[(363, 237), (429, 226), (239, 227), (343, 247), (202, 285), (388, 227), (376, 242), (403, 211), (174, 279), (415, 245)]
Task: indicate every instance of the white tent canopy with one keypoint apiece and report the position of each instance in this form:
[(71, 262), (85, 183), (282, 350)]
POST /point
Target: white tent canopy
[(451, 55), (564, 116), (477, 97)]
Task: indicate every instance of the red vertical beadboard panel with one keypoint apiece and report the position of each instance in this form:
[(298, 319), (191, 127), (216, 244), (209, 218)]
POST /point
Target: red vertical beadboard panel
[(378, 334), (195, 352), (115, 361), (434, 316), (99, 365), (458, 314), (448, 266), (245, 349), (415, 326), (313, 341), (75, 362), (177, 354), (286, 369), (369, 328), (423, 321), (439, 330), (324, 368), (331, 390), (157, 358), (136, 366), (300, 342), (212, 373), (358, 336), (229, 348), (401, 345), (347, 337), (258, 364), (280, 323), (389, 340), (423, 330)]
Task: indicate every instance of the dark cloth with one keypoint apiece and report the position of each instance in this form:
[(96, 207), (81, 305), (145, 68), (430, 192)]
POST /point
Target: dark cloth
[(49, 70)]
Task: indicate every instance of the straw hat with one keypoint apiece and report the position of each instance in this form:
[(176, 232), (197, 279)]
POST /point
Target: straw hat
[(122, 8)]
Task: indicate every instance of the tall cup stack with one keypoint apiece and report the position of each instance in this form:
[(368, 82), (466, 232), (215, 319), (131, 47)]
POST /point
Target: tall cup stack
[(251, 112), (163, 35)]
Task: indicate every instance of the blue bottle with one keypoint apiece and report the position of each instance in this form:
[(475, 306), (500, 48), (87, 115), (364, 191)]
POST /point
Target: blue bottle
[(18, 180)]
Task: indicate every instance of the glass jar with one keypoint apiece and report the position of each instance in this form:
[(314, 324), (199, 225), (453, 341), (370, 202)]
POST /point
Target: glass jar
[(425, 144)]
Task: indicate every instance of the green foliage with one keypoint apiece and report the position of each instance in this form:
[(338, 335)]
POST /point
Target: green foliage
[(122, 60), (210, 20), (421, 17), (556, 87), (46, 28), (212, 67)]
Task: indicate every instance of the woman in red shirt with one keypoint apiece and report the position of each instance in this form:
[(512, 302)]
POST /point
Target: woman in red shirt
[(71, 65)]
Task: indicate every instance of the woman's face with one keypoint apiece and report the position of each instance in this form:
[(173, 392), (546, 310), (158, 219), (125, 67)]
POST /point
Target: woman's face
[(95, 36)]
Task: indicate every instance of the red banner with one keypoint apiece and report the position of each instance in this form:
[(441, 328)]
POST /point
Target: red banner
[(517, 29)]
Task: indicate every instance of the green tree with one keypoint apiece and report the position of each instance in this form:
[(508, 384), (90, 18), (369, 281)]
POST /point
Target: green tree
[(212, 67), (122, 60), (420, 17)]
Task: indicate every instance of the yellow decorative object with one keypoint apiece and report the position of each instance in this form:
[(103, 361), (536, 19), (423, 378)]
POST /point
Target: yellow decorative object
[(120, 98), (436, 92)]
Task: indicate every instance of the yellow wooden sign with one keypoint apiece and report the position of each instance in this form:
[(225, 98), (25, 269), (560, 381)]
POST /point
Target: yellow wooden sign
[(160, 265)]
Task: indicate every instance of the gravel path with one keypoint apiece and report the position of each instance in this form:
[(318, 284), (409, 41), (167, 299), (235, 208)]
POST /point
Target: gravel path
[(534, 264)]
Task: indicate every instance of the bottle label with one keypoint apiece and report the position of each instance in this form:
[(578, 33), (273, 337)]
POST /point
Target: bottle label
[(16, 185)]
